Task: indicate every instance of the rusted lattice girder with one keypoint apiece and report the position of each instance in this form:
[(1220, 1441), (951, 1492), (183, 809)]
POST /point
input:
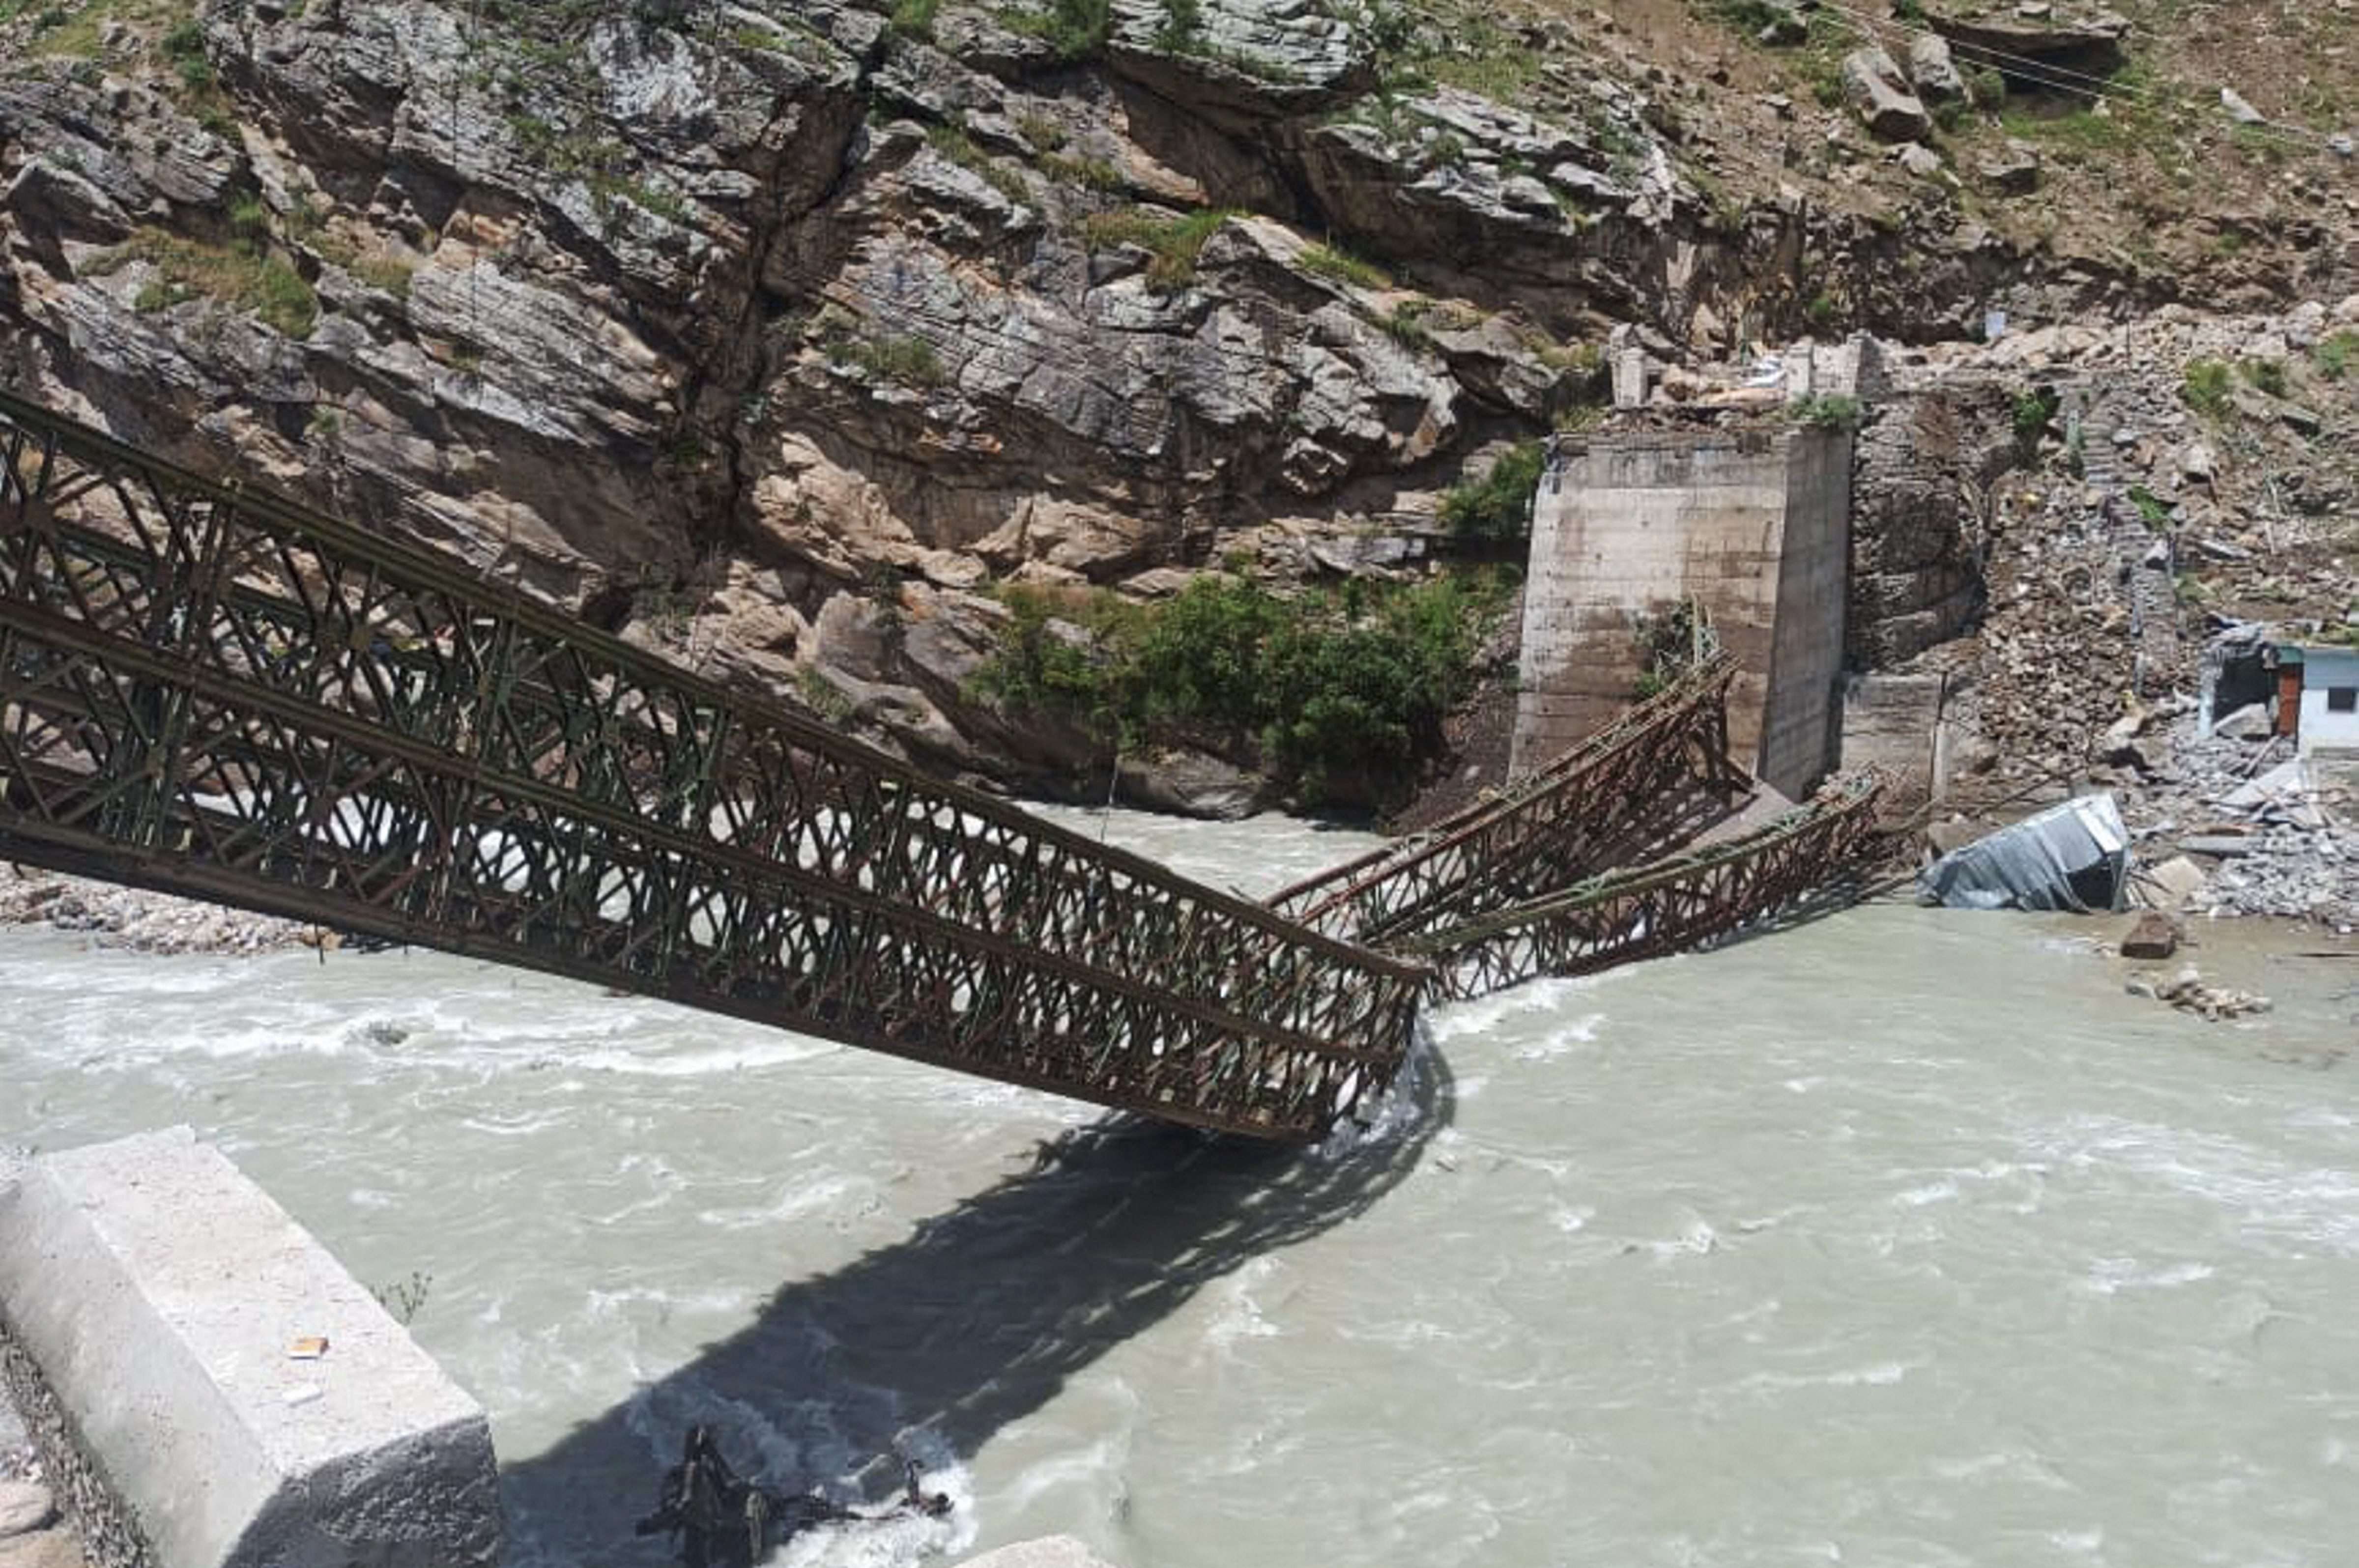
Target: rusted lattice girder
[(1668, 906), (211, 691), (1641, 782)]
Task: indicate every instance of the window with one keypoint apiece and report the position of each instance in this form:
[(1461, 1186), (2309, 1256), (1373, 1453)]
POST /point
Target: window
[(2343, 699)]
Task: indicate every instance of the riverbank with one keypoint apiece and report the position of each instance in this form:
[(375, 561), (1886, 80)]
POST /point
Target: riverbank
[(141, 921), (34, 1533)]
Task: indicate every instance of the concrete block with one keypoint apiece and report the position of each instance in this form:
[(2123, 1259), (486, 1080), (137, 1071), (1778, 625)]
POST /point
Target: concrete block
[(1750, 523), (159, 1293), (1630, 378), (1050, 1551)]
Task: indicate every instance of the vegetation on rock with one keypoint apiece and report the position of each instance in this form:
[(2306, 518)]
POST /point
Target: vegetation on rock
[(1497, 507), (1339, 693)]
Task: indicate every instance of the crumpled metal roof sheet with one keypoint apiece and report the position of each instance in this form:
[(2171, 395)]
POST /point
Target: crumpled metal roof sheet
[(2072, 856)]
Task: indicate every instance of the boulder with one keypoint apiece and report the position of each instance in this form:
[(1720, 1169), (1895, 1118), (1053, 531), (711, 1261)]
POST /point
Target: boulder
[(24, 1508), (1882, 95), (1786, 26), (2172, 884), (1240, 63), (1932, 70), (1194, 784), (1917, 159), (2250, 722), (2013, 168), (2154, 937), (2088, 41)]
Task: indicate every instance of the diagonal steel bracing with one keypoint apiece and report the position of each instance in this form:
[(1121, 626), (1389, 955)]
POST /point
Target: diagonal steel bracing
[(1613, 793), (209, 690), (1665, 907), (213, 691)]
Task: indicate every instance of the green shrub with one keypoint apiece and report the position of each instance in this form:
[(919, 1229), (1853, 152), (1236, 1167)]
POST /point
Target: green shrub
[(2269, 376), (1094, 172), (915, 18), (2337, 354), (1183, 20), (896, 357), (1076, 29), (1406, 324), (1497, 507), (242, 275), (1340, 694), (1198, 659), (184, 46), (2033, 412), (2205, 386), (390, 274), (1825, 411)]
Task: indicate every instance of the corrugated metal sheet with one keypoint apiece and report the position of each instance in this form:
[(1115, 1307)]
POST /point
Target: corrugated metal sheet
[(2072, 856)]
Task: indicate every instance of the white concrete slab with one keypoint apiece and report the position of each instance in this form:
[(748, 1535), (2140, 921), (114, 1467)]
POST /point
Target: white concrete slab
[(162, 1295)]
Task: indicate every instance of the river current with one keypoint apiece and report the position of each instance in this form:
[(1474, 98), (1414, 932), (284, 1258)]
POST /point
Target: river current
[(1901, 1238)]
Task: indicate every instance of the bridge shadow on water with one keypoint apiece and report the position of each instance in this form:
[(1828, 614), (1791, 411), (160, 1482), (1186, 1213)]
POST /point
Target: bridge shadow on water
[(977, 1320)]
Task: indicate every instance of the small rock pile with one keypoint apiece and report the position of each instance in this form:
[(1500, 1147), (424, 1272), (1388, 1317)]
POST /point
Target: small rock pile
[(2186, 991), (144, 922)]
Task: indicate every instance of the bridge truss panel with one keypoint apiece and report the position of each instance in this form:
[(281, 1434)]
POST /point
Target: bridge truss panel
[(1650, 777), (1663, 907), (211, 691)]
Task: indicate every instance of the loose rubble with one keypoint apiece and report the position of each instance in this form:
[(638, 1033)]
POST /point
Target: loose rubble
[(2186, 991), (144, 922), (32, 1533)]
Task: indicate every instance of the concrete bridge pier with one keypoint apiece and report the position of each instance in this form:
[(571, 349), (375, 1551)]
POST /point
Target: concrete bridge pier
[(1751, 526)]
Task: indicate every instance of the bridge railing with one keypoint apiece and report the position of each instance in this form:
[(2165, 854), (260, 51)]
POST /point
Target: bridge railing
[(1665, 907), (1547, 828), (213, 690)]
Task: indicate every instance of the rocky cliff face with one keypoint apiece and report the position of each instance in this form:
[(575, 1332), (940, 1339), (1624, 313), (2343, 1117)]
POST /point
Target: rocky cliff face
[(775, 333)]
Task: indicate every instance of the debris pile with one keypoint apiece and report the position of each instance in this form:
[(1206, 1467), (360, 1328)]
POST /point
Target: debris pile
[(2186, 991), (2275, 830), (2164, 472)]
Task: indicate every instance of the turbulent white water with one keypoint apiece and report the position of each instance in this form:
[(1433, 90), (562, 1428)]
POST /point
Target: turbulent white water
[(1901, 1239)]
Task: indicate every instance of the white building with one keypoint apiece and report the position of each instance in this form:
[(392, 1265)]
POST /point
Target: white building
[(2330, 697)]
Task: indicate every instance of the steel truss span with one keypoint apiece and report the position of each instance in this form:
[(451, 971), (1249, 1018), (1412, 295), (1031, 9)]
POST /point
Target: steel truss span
[(211, 691), (1617, 792), (1665, 907)]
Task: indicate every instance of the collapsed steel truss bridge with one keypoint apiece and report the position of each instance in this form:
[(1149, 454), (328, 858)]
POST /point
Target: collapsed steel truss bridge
[(206, 689)]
